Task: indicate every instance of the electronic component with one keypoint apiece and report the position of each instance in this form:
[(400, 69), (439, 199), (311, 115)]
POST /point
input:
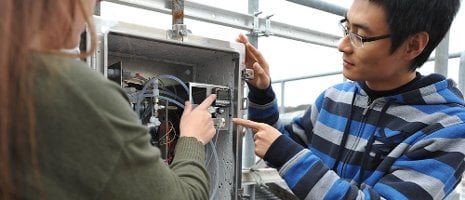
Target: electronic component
[(222, 96), (220, 108), (199, 91)]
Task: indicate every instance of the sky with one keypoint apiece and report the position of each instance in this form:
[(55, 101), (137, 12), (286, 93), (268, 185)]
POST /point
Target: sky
[(287, 58)]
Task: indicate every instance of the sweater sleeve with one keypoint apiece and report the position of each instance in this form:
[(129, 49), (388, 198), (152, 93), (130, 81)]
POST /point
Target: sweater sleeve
[(141, 174), (262, 105), (428, 169)]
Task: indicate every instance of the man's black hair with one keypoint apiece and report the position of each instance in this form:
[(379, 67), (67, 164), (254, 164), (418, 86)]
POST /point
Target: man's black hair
[(408, 17)]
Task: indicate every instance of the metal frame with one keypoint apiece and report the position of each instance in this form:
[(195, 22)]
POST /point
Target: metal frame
[(248, 156), (283, 82), (237, 20), (442, 56), (322, 5)]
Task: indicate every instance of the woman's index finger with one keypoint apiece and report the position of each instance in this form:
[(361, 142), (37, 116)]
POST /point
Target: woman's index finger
[(207, 102)]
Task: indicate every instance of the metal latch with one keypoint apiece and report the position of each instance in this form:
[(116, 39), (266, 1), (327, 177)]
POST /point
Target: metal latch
[(247, 74)]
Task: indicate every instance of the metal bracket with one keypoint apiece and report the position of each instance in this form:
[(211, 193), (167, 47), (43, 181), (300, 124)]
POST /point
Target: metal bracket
[(268, 26), (178, 32), (247, 74), (256, 25), (179, 29), (245, 103)]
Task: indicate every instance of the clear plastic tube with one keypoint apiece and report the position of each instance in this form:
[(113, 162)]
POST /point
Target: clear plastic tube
[(217, 169), (172, 101), (154, 81), (169, 93), (168, 99), (174, 78)]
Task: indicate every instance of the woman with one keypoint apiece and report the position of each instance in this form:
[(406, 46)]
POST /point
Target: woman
[(68, 133)]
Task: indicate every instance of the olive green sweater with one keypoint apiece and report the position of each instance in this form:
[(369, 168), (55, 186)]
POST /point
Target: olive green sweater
[(92, 145)]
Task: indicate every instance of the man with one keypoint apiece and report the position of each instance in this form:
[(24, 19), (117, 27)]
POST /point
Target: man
[(388, 133)]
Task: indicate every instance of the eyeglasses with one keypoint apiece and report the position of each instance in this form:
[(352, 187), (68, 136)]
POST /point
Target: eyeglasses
[(356, 39)]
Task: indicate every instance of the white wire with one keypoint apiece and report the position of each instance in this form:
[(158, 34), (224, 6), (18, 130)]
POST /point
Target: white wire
[(217, 169)]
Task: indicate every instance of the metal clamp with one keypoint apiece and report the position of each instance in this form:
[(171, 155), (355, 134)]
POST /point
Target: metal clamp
[(178, 32), (247, 74), (256, 25), (267, 31), (244, 103)]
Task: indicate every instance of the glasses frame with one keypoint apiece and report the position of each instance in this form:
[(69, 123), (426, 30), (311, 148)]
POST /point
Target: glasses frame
[(353, 36)]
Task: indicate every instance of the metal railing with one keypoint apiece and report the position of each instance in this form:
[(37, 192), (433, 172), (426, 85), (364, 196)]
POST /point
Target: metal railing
[(283, 82)]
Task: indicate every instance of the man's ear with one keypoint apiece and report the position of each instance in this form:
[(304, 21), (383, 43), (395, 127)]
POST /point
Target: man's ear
[(415, 45)]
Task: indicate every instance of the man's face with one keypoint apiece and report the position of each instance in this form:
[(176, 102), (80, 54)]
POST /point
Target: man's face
[(373, 62)]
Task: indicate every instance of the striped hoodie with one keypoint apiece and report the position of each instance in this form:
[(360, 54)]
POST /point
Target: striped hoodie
[(409, 145)]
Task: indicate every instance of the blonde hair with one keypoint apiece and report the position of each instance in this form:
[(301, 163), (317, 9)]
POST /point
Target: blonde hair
[(20, 21)]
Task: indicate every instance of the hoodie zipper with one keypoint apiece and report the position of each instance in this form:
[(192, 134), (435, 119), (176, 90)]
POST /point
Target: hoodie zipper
[(365, 114)]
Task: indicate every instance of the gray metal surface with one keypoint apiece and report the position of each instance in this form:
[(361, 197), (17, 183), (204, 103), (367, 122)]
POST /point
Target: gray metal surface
[(442, 56), (177, 11), (248, 156), (267, 182), (451, 55)]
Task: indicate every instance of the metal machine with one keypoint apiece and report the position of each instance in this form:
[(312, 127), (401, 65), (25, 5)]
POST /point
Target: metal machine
[(159, 73)]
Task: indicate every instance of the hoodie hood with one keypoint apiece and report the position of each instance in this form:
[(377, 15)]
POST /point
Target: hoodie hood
[(428, 90)]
